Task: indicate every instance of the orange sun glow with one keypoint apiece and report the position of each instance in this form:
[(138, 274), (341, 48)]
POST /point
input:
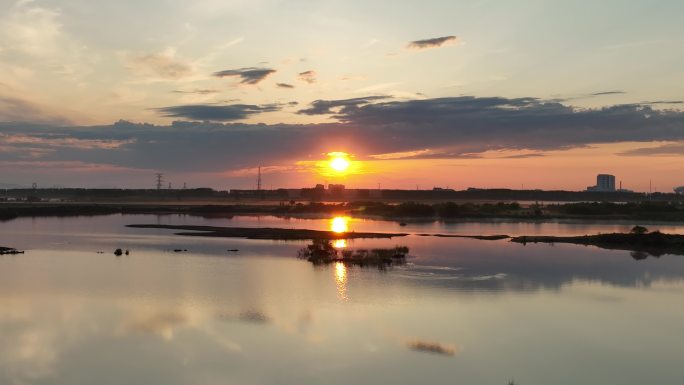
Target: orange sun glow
[(339, 161)]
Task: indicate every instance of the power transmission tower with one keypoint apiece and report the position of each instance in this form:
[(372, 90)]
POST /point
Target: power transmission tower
[(259, 179), (160, 181)]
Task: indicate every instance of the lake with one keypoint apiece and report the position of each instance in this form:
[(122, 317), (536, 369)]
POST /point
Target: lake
[(461, 311)]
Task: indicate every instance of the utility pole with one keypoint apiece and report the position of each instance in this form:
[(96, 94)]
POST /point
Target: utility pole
[(160, 180)]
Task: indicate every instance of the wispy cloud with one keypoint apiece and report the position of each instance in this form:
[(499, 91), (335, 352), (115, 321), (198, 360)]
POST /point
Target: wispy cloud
[(664, 102), (308, 76), (353, 77), (284, 85), (376, 87), (31, 29), (669, 149), (608, 93), (233, 42), (14, 109), (249, 75), (433, 42), (197, 91), (61, 141), (371, 43), (163, 65)]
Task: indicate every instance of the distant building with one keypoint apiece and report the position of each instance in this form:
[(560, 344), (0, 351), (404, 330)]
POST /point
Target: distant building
[(336, 189), (604, 183)]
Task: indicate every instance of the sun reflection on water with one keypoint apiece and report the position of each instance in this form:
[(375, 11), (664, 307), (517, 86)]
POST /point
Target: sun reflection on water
[(341, 280), (340, 243)]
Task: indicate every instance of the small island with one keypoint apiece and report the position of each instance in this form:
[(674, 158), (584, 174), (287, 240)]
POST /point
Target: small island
[(639, 240), (9, 250), (322, 252)]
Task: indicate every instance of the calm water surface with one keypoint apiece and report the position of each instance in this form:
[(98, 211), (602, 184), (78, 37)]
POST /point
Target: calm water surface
[(496, 311)]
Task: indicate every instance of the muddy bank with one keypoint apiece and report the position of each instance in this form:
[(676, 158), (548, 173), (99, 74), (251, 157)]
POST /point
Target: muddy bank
[(655, 243), (480, 237), (265, 232)]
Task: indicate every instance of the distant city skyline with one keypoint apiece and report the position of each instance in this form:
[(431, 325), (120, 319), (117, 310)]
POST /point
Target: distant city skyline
[(473, 93)]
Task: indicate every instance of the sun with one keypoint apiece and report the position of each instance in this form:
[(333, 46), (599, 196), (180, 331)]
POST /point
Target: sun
[(339, 164), (339, 161), (339, 225)]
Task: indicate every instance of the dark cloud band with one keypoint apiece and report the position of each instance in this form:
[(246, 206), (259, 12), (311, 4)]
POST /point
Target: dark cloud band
[(251, 75), (216, 113), (429, 128), (432, 43)]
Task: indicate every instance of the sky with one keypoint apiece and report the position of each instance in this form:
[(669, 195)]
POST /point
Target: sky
[(459, 93)]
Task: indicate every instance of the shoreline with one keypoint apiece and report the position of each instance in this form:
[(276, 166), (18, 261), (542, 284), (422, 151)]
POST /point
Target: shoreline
[(405, 212), (654, 244), (649, 243)]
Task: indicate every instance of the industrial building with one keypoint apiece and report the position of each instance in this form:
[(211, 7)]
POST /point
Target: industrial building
[(604, 183)]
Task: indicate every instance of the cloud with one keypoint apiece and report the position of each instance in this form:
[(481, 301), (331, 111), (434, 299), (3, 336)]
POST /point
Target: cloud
[(217, 113), (60, 141), (669, 149), (31, 29), (524, 156), (353, 77), (401, 155), (664, 102), (308, 76), (284, 85), (197, 91), (14, 109), (250, 75), (431, 347), (377, 87), (456, 127), (608, 93), (163, 65), (432, 43), (322, 107)]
